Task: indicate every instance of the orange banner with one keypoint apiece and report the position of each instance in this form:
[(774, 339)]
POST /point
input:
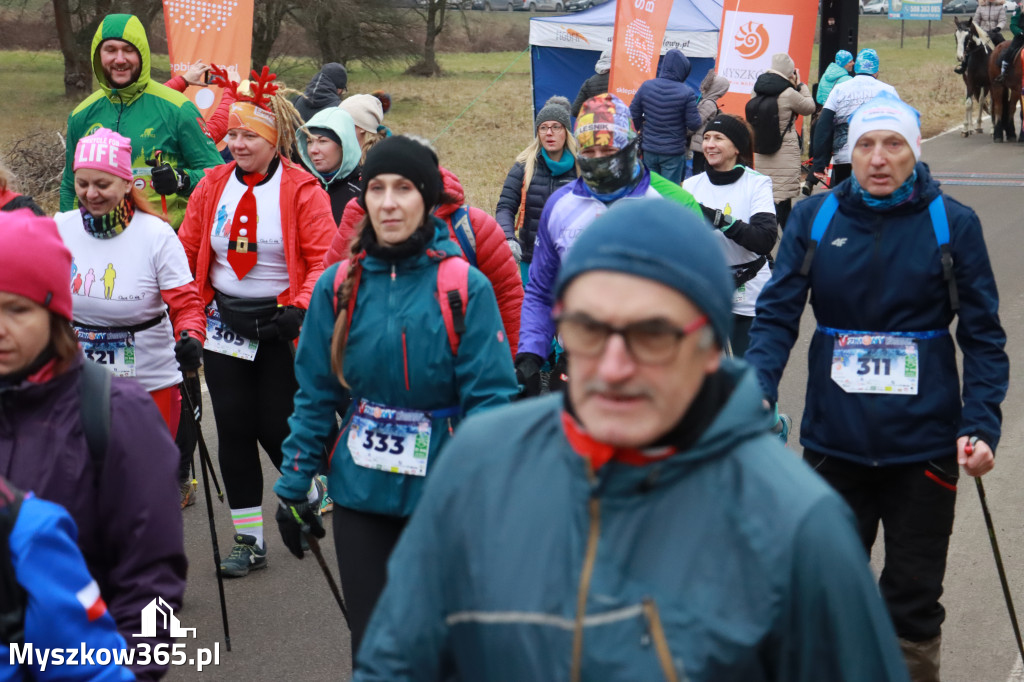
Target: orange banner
[(216, 31), (636, 47), (754, 30)]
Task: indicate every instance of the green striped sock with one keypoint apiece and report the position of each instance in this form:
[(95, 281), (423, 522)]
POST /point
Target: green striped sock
[(249, 521)]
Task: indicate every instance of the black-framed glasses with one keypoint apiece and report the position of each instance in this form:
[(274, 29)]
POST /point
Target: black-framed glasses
[(649, 342), (553, 128)]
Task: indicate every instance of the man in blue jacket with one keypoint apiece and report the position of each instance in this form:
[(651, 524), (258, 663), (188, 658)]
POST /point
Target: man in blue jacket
[(664, 111), (645, 526), (892, 263)]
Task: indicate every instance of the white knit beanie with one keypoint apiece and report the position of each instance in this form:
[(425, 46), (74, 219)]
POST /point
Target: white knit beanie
[(366, 111), (886, 112)]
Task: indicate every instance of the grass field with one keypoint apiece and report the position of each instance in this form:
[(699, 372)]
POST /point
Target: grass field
[(480, 145)]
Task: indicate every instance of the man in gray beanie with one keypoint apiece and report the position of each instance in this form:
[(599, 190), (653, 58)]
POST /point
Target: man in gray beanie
[(643, 525)]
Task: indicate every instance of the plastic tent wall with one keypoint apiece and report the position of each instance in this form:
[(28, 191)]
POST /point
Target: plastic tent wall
[(564, 49)]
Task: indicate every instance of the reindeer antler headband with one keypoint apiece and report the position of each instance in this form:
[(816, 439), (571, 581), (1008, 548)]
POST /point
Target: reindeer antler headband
[(251, 109)]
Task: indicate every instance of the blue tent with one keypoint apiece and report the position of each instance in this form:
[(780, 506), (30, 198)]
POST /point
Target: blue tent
[(564, 49)]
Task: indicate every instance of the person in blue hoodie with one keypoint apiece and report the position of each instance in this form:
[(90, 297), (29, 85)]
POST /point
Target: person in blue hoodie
[(59, 607), (379, 338), (329, 148), (839, 71), (644, 525), (887, 422), (664, 112)]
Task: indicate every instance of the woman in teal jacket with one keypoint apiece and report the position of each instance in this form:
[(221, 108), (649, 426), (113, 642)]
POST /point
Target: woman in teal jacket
[(411, 375)]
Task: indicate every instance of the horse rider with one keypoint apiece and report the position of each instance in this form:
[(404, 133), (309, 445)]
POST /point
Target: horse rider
[(990, 17), (1017, 28)]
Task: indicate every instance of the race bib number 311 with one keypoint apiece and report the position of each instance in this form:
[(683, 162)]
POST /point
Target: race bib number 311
[(875, 363), (390, 439)]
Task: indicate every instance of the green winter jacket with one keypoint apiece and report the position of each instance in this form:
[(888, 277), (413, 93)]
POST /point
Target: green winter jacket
[(1016, 19), (727, 562), (833, 76), (152, 116), (398, 355)]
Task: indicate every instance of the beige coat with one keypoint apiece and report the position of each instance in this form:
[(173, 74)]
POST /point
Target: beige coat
[(783, 167)]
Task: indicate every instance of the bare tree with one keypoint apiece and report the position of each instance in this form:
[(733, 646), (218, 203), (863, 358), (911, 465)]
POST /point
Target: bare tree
[(433, 12), (267, 16), (368, 30)]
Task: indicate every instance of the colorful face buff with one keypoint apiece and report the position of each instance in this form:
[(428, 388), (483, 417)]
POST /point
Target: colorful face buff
[(113, 223), (608, 177)]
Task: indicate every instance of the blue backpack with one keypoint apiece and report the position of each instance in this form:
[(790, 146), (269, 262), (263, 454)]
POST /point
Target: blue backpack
[(940, 226)]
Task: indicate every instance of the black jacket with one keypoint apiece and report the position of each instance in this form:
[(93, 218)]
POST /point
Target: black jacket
[(595, 85), (341, 191), (542, 186)]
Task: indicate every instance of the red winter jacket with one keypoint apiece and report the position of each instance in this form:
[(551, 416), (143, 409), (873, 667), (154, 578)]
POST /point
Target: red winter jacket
[(306, 223), (217, 125), (493, 256)]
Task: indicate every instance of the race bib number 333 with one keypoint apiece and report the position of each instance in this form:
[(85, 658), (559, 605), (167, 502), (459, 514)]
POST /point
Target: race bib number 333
[(875, 363), (390, 439)]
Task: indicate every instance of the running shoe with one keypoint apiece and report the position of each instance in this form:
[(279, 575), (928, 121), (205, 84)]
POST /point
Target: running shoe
[(188, 493), (245, 556)]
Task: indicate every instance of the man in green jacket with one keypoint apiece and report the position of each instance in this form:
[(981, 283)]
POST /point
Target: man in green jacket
[(645, 525), (155, 118), (1012, 52)]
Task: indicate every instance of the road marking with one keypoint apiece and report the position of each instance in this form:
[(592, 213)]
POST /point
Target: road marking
[(980, 179), (1017, 674)]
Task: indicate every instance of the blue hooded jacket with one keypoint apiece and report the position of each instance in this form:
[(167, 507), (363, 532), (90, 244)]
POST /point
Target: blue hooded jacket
[(664, 109), (397, 355), (881, 272)]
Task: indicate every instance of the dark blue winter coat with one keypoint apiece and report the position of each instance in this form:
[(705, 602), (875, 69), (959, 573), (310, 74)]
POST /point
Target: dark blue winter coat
[(881, 272), (665, 108)]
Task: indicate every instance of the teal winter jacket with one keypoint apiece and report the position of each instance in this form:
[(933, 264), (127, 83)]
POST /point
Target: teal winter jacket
[(727, 562), (833, 76), (397, 355)]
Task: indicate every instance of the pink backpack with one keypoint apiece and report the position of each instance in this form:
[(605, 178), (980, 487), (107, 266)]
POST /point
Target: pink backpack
[(452, 293)]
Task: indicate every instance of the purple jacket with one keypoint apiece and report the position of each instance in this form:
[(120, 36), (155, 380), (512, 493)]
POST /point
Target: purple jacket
[(129, 522)]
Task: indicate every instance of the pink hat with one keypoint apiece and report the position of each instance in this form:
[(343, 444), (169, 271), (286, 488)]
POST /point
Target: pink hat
[(105, 151), (34, 262)]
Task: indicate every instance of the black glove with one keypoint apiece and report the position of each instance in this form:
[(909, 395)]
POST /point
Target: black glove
[(715, 216), (193, 388), (287, 321), (294, 518), (167, 181), (189, 354), (528, 374)]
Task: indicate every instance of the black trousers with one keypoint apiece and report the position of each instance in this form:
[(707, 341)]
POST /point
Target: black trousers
[(915, 504), (363, 543), (252, 401), (186, 439), (782, 211), (740, 338)]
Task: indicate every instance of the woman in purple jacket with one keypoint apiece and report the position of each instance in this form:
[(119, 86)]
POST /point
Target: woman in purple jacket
[(124, 498)]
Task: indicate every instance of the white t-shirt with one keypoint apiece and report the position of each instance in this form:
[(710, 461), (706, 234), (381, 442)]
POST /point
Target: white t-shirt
[(269, 277), (751, 194), (117, 282), (844, 99)]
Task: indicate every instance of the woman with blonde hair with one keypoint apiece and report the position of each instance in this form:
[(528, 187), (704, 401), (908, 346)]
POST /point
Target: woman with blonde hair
[(255, 233), (547, 163)]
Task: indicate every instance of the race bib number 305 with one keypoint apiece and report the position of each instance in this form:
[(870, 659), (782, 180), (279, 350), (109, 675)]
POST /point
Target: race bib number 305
[(875, 363), (390, 439), (113, 350), (222, 339)]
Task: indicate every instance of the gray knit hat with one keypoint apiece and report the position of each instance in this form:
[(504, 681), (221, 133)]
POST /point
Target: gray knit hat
[(555, 109)]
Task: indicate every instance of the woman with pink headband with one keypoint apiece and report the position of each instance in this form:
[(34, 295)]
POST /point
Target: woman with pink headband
[(139, 271)]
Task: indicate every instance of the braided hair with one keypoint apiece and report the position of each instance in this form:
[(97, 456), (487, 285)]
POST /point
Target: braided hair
[(339, 339)]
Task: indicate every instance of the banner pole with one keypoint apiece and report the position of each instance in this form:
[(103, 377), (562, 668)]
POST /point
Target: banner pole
[(929, 35)]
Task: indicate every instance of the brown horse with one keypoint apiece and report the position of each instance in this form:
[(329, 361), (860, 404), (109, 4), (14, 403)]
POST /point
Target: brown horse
[(973, 48), (1006, 95)]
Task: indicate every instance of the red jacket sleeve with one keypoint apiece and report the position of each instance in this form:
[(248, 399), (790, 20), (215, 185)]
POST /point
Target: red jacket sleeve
[(177, 83), (315, 230), (494, 259), (186, 310), (217, 126), (346, 231)]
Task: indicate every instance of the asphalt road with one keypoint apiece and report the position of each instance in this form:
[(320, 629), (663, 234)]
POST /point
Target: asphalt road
[(285, 624)]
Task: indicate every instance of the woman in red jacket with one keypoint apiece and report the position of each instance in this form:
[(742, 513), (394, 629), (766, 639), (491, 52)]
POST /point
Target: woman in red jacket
[(255, 233), (484, 247)]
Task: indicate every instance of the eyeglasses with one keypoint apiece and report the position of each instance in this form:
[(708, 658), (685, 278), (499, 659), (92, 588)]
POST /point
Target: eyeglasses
[(555, 128), (649, 342)]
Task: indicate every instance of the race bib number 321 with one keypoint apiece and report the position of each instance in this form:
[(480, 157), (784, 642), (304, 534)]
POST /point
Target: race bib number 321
[(875, 363), (113, 350)]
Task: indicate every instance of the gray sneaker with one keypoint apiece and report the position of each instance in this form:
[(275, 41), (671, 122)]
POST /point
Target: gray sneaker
[(245, 556)]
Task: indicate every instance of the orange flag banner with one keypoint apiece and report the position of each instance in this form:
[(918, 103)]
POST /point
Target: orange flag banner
[(754, 30), (636, 45), (216, 31)]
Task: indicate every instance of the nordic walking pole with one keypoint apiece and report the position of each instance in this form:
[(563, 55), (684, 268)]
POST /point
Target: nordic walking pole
[(314, 546), (203, 450), (969, 449)]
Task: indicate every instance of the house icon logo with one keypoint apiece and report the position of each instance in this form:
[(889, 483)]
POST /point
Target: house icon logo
[(160, 612)]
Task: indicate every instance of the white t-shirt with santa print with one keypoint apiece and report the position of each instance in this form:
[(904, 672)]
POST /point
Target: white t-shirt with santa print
[(750, 194), (117, 282)]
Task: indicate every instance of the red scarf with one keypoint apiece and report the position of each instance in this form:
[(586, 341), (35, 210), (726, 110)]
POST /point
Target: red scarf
[(600, 453)]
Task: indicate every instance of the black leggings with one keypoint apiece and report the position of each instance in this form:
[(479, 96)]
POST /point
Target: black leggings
[(251, 402), (363, 543), (740, 338)]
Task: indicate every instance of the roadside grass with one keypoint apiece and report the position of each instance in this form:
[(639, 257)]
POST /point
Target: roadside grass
[(480, 145)]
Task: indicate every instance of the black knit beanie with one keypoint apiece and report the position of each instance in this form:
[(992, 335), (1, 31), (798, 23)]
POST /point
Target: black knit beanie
[(410, 159), (325, 132), (734, 129)]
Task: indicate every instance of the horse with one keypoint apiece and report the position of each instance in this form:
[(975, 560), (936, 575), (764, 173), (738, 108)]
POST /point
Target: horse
[(977, 46), (1005, 96)]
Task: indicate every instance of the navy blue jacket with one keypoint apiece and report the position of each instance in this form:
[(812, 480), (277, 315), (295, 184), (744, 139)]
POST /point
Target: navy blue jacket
[(881, 272), (665, 107)]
